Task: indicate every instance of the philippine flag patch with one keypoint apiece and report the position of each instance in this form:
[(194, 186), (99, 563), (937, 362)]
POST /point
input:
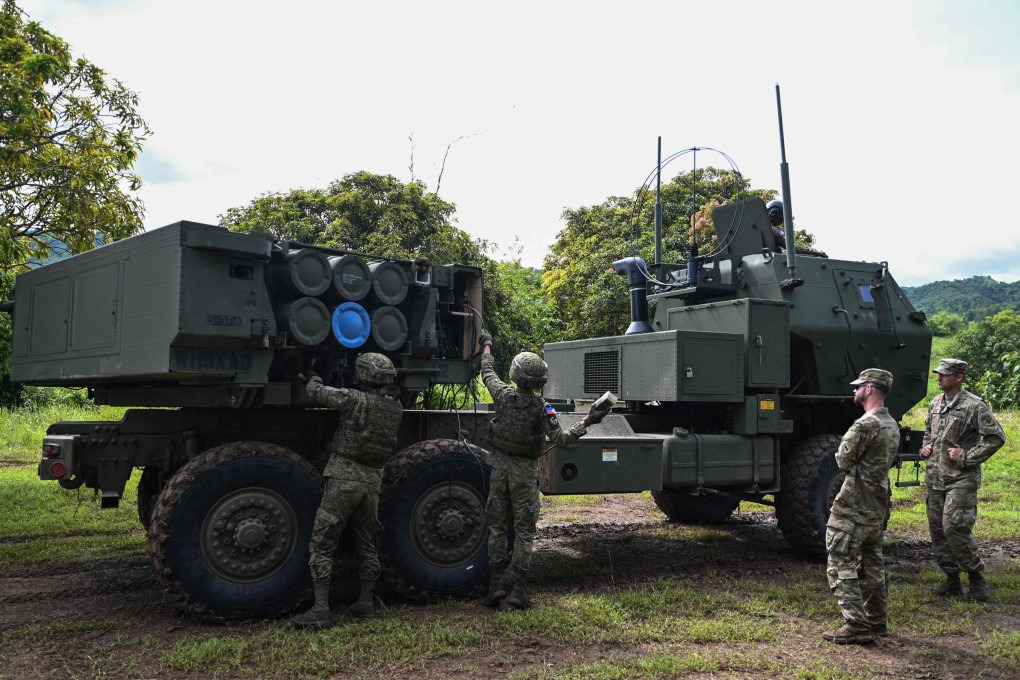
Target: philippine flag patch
[(549, 410)]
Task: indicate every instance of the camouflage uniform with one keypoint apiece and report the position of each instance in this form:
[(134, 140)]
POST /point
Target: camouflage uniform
[(517, 435), (853, 538), (967, 422), (364, 441)]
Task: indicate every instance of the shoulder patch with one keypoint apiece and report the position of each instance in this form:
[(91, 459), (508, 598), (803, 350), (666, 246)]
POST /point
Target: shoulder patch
[(549, 410)]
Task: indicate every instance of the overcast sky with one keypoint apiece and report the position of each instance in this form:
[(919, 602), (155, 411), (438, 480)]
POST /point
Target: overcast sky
[(901, 118)]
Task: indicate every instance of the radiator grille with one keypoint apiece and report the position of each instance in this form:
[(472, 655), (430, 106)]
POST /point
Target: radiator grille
[(602, 372)]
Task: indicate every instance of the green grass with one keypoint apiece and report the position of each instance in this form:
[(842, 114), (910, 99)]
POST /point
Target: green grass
[(661, 628), (22, 430), (410, 637), (580, 499), (43, 523), (276, 648), (1005, 646)]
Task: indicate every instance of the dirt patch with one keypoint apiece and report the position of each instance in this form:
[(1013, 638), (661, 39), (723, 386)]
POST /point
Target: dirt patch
[(52, 622)]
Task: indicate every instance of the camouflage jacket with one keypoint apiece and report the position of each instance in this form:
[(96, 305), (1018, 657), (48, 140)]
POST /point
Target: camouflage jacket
[(965, 421), (523, 418), (367, 433), (866, 453)]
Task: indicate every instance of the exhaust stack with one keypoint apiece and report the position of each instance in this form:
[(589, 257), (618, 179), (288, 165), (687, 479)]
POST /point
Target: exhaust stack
[(637, 278)]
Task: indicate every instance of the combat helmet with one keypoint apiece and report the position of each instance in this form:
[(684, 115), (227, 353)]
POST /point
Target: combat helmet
[(775, 211), (528, 370), (375, 369)]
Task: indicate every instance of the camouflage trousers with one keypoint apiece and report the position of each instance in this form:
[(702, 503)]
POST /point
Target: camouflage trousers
[(515, 489), (856, 572), (346, 501), (951, 517)]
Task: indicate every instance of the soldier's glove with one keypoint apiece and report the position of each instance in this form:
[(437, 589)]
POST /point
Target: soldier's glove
[(484, 340), (601, 408), (309, 376)]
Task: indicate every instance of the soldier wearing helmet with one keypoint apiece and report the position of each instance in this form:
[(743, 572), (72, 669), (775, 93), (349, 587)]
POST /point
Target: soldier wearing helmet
[(775, 211), (365, 439), (517, 436)]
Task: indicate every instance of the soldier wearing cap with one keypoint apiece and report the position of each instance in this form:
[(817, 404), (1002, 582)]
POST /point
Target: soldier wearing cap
[(853, 536), (960, 433)]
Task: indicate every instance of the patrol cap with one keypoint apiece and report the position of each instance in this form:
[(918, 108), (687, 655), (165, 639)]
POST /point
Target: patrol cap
[(875, 376), (951, 366)]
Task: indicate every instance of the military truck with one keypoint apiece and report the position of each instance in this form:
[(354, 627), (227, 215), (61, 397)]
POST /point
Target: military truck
[(736, 389), (209, 330)]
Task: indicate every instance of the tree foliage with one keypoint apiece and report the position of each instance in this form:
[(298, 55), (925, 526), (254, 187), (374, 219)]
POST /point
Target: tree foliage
[(69, 136), (583, 293), (362, 212), (516, 311), (972, 299), (985, 342), (945, 324), (1001, 389), (6, 389)]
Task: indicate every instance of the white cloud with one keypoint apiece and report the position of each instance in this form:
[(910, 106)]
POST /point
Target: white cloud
[(896, 144)]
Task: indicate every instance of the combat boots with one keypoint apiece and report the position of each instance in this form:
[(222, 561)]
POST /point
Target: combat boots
[(318, 615), (849, 635), (518, 597), (363, 609), (978, 590), (952, 586), (497, 591)]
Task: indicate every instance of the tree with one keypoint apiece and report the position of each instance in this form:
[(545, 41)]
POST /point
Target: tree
[(6, 389), (69, 137), (986, 342), (1001, 389), (945, 324), (972, 299), (362, 212), (583, 292), (517, 313)]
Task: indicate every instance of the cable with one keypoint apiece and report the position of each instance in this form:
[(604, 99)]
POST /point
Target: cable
[(645, 188)]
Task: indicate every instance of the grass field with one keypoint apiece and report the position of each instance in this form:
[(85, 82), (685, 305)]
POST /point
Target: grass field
[(729, 619)]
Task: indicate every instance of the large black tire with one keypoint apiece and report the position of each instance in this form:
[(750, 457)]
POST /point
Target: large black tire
[(230, 532), (681, 506), (433, 514), (809, 482)]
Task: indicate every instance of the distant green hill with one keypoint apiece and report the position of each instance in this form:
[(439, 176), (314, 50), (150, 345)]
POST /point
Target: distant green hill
[(973, 298)]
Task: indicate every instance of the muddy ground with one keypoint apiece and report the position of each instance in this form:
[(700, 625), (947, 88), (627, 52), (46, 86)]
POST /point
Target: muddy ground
[(748, 546)]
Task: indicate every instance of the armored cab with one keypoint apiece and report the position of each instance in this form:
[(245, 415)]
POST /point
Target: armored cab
[(738, 388)]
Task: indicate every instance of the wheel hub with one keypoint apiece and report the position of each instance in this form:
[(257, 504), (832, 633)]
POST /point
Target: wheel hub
[(249, 534), (448, 523)]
